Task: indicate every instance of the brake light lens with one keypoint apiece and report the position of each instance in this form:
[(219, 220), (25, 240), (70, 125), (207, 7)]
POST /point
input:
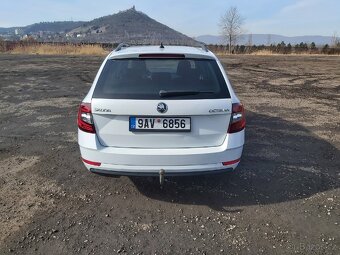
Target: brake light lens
[(238, 120), (157, 55), (85, 120)]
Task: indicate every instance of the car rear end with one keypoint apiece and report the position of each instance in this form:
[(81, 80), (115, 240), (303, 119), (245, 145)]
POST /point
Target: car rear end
[(154, 109)]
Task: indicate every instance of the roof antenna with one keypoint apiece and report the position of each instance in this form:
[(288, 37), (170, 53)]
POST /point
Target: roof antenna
[(162, 46)]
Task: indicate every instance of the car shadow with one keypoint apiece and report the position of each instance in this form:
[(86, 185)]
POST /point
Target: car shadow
[(281, 161)]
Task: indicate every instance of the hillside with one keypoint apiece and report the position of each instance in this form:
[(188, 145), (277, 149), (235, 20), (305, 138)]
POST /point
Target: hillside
[(57, 26), (125, 26), (129, 25)]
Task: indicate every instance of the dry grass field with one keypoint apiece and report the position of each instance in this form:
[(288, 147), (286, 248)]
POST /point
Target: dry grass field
[(35, 48), (282, 199), (68, 49)]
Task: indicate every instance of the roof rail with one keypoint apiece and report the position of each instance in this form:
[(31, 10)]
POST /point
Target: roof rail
[(121, 46), (204, 47)]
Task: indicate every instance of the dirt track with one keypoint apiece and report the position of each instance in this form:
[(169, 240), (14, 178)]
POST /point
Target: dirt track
[(284, 197)]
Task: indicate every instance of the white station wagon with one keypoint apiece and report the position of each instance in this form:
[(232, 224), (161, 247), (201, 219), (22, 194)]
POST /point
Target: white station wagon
[(161, 110)]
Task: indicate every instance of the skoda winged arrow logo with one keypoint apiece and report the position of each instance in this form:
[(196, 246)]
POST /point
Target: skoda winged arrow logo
[(162, 108)]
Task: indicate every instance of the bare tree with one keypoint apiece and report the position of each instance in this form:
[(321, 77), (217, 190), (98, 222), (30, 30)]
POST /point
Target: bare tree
[(269, 39), (231, 26), (335, 41), (250, 42)]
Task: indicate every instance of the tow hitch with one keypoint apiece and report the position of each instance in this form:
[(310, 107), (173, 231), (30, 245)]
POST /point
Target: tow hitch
[(161, 177)]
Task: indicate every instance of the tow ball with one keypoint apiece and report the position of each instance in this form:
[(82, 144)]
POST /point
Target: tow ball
[(161, 177)]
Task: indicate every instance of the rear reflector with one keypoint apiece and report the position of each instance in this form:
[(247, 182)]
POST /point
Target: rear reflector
[(91, 162), (227, 163), (157, 55)]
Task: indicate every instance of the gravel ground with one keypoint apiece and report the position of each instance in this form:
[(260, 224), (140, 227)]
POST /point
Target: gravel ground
[(282, 199)]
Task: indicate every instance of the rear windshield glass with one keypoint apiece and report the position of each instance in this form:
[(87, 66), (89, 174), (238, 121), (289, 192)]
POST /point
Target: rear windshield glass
[(161, 78)]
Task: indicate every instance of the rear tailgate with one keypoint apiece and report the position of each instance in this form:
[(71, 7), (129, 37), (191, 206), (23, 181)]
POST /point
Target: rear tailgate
[(209, 122)]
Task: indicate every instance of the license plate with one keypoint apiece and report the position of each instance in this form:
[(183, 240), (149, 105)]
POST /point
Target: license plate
[(166, 124)]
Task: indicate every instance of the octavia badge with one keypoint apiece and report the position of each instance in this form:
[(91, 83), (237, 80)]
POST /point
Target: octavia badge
[(162, 108)]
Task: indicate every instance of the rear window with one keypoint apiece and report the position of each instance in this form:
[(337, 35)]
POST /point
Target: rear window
[(146, 78)]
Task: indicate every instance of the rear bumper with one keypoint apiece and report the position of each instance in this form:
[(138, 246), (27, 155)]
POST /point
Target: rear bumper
[(156, 174), (149, 162)]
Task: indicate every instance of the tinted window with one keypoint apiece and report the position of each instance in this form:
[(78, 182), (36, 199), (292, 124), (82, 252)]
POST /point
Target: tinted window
[(145, 78)]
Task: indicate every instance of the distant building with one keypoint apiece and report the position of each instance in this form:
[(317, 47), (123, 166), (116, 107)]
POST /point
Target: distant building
[(18, 31)]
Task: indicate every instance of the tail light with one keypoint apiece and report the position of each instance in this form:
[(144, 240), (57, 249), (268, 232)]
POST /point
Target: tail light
[(85, 120), (238, 120)]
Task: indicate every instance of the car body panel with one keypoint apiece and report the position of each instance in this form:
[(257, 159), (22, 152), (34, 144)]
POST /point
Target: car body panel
[(208, 128), (137, 159)]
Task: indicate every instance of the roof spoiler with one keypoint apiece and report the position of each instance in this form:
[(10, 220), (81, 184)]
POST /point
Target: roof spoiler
[(123, 45)]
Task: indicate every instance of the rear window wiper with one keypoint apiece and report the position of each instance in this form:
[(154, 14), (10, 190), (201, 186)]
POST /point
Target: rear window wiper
[(174, 93)]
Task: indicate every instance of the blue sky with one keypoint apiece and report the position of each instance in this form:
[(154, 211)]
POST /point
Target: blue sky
[(191, 17)]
